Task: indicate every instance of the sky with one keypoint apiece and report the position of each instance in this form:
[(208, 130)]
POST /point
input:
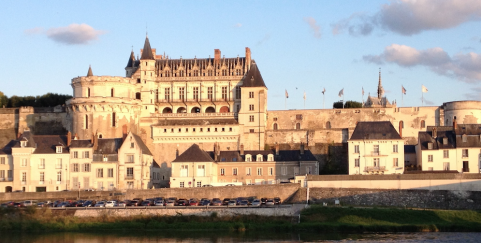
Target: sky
[(301, 47)]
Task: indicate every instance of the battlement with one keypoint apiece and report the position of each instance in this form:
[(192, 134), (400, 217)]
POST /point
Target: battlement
[(101, 79)]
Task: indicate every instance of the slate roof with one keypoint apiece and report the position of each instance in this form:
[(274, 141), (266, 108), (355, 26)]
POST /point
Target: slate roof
[(108, 145), (198, 122), (409, 149), (144, 148), (194, 154), (7, 149), (132, 60), (147, 51), (454, 137), (379, 130), (80, 143), (253, 77)]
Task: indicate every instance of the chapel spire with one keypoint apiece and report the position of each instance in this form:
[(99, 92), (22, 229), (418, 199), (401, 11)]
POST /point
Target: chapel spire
[(380, 90), (89, 73), (147, 51)]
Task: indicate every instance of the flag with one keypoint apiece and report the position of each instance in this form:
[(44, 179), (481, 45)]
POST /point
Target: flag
[(404, 91), (362, 91), (323, 91), (286, 93), (341, 92), (424, 89), (304, 95)]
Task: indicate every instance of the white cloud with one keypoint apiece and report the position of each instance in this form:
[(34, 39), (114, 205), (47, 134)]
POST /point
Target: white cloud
[(464, 67), (73, 34), (314, 27), (409, 17)]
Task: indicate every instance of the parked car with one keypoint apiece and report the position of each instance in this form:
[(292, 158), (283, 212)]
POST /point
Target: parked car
[(18, 205), (226, 201), (170, 203), (193, 202), (89, 203), (159, 202), (100, 204), (146, 203), (216, 202), (256, 203), (89, 189), (230, 185), (182, 202), (4, 205), (205, 202), (232, 203), (243, 203), (28, 203), (122, 204), (63, 204), (270, 202), (55, 203), (263, 200), (207, 185), (75, 204), (277, 200), (111, 204), (135, 203)]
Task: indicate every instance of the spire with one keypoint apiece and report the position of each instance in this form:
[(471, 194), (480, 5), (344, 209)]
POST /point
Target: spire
[(89, 73), (147, 51), (132, 60), (380, 87)]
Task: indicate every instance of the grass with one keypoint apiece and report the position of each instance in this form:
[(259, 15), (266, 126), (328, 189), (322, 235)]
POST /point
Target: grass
[(316, 218)]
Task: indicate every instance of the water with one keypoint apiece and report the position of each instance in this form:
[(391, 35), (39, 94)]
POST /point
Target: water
[(237, 237)]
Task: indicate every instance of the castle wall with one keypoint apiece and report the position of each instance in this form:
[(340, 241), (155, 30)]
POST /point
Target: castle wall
[(467, 112)]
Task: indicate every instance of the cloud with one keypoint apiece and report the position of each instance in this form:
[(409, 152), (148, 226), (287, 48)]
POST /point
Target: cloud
[(408, 17), (474, 94), (462, 66), (73, 34), (238, 25), (314, 27)]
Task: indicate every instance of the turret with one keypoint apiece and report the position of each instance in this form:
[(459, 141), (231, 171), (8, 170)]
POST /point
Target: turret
[(147, 66)]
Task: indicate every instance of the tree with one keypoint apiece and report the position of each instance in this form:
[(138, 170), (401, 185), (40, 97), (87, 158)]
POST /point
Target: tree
[(338, 104), (353, 104), (3, 100)]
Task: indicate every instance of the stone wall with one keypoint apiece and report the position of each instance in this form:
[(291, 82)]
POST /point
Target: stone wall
[(398, 198)]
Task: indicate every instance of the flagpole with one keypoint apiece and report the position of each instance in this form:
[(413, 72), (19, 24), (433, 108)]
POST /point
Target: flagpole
[(285, 102), (323, 100)]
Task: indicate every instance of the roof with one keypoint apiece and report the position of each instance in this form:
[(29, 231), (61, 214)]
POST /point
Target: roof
[(471, 131), (89, 73), (409, 149), (147, 51), (108, 146), (193, 154), (132, 60), (80, 143), (198, 122), (379, 130), (7, 149), (253, 77), (142, 145), (454, 137)]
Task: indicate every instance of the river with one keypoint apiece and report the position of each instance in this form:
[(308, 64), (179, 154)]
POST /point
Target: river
[(237, 237)]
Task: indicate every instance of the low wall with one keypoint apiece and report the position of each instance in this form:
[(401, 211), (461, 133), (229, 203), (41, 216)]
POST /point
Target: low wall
[(285, 210), (283, 191), (448, 181), (440, 199)]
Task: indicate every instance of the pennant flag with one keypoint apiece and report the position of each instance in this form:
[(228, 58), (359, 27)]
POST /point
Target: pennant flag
[(304, 95), (424, 89), (341, 92), (362, 91), (323, 91), (286, 93), (404, 91)]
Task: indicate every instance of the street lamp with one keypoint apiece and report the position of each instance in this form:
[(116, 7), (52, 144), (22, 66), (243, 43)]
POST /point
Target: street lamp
[(65, 178)]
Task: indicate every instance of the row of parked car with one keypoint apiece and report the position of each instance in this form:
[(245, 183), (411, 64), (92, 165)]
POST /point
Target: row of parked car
[(158, 201)]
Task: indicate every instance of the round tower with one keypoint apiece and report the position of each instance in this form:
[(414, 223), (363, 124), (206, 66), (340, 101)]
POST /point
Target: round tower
[(467, 112), (102, 105)]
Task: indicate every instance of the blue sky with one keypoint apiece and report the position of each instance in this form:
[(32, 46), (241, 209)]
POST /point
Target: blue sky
[(298, 45)]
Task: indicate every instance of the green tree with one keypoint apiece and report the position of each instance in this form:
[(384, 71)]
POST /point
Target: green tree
[(338, 104), (353, 104), (3, 100)]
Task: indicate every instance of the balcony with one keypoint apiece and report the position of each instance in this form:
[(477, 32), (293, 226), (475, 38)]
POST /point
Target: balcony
[(375, 168), (129, 177), (194, 115)]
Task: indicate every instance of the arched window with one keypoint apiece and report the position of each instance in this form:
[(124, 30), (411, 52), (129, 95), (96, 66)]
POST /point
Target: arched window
[(113, 119), (422, 124), (275, 126), (86, 121), (328, 125), (88, 92), (401, 124), (112, 92), (298, 126)]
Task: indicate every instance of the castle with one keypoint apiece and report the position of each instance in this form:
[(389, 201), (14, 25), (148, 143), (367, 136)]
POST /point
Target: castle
[(171, 104)]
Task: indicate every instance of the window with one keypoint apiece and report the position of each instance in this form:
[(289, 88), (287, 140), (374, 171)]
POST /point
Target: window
[(184, 171), (100, 173), (395, 162), (400, 124), (222, 171), (251, 107), (181, 93), (2, 174), (376, 162), (24, 177), (238, 92), (41, 164), (76, 154), (260, 171), (195, 93), (357, 162), (251, 118), (446, 153), (237, 108), (251, 94), (167, 94), (110, 172), (105, 158), (465, 166), (224, 93), (298, 126), (284, 170), (376, 149), (132, 144), (270, 157), (248, 171), (130, 173), (181, 184), (75, 167), (422, 124), (198, 184), (395, 148), (58, 164), (308, 170), (86, 122), (464, 138), (156, 96), (446, 166), (465, 153), (86, 167), (88, 92), (2, 160), (299, 116), (357, 148), (42, 177), (210, 93), (129, 158), (275, 126), (251, 130), (59, 176), (235, 171), (248, 158), (24, 162), (10, 173), (430, 158), (113, 120), (59, 149), (270, 171), (201, 170), (86, 154)]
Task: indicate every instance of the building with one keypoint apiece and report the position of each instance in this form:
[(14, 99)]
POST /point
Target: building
[(450, 148), (196, 167), (379, 101), (375, 148)]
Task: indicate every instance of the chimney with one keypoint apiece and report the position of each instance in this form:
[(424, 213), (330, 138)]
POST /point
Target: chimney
[(219, 149), (217, 56), (277, 149), (92, 139), (215, 152), (76, 137), (455, 122), (124, 132), (177, 152), (69, 138), (248, 58), (241, 150), (96, 142), (302, 149), (400, 126)]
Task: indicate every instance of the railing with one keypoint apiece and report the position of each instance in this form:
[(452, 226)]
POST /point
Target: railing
[(184, 115), (375, 168), (188, 100), (6, 179), (129, 177)]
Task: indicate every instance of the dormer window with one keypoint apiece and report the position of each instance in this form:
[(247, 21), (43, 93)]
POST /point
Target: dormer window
[(248, 158), (445, 140), (259, 158), (23, 143), (464, 138), (430, 145), (59, 149), (270, 157)]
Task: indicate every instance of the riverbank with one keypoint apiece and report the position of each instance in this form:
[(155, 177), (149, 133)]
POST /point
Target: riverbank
[(316, 218)]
